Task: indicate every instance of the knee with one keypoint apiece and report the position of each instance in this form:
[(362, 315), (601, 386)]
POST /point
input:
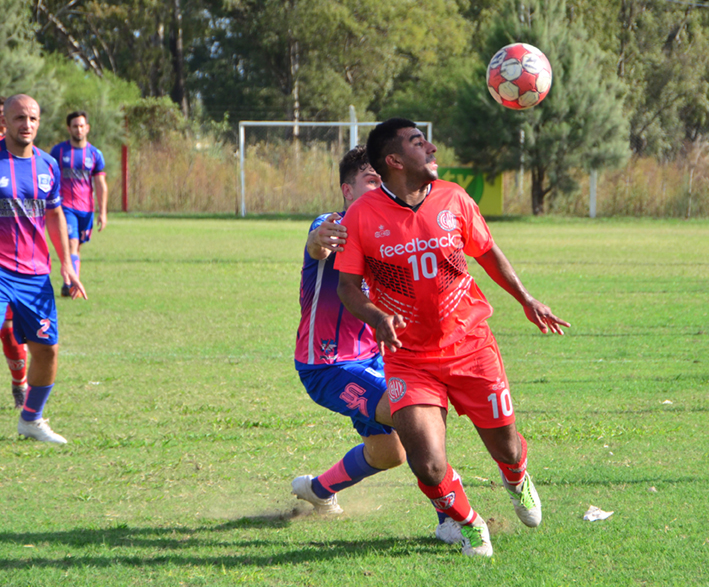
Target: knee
[(510, 453), (430, 471)]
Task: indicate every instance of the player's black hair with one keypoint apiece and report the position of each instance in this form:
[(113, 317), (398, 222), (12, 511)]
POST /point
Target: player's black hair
[(352, 163), (76, 114), (2, 100), (383, 141)]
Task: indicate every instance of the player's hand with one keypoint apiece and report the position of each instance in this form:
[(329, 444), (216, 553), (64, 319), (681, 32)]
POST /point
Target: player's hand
[(386, 333), (102, 221), (330, 234), (541, 315), (76, 288)]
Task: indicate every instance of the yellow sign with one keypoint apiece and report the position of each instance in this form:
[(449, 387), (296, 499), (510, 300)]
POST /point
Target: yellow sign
[(488, 196)]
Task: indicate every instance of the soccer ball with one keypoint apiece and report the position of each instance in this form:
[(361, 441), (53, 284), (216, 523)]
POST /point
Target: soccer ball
[(519, 76)]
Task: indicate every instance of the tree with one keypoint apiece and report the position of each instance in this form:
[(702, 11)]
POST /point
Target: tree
[(21, 61), (311, 59), (580, 125), (144, 41)]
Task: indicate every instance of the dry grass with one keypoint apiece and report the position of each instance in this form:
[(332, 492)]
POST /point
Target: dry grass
[(176, 176)]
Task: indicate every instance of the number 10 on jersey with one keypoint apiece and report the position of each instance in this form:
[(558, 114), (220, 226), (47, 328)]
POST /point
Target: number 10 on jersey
[(428, 264)]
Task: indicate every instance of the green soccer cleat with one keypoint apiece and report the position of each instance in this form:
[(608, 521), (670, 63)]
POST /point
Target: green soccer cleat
[(476, 539), (525, 499)]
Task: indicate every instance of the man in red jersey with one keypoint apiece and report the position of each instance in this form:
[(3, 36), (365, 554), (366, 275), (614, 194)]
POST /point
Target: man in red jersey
[(408, 240)]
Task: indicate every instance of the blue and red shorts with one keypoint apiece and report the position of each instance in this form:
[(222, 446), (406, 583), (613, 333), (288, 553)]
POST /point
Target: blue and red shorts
[(79, 224), (352, 389), (31, 299)]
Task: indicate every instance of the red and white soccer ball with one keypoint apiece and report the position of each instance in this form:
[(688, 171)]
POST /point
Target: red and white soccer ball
[(519, 76)]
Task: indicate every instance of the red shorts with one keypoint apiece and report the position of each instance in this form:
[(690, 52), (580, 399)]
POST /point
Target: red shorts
[(469, 373)]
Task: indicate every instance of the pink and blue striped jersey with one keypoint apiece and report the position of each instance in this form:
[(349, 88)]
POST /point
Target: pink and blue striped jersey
[(28, 187), (78, 167), (328, 334)]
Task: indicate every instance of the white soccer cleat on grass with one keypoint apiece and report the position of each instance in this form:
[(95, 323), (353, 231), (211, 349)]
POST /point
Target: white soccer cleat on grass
[(476, 539), (39, 430), (525, 498), (302, 489), (449, 531)]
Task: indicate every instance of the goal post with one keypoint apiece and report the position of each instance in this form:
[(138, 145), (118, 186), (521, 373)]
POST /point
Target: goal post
[(353, 125)]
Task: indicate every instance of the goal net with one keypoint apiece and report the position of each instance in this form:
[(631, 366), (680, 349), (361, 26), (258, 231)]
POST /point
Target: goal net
[(293, 167)]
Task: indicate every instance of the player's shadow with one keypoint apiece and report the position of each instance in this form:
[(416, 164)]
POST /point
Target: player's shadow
[(178, 545)]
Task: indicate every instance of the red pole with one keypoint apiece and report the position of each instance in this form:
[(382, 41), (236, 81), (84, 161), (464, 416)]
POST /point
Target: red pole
[(124, 171)]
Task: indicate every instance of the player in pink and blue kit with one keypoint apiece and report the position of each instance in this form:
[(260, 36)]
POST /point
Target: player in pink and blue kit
[(29, 202), (337, 356), (82, 170)]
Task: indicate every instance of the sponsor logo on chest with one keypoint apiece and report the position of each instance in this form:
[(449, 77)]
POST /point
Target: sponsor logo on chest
[(4, 181)]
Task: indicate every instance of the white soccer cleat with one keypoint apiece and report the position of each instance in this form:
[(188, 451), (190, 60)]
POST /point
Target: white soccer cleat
[(525, 498), (39, 430), (302, 489), (449, 531), (476, 538)]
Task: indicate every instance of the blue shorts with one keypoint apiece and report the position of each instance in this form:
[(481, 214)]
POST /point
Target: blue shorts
[(351, 389), (79, 224), (31, 298)]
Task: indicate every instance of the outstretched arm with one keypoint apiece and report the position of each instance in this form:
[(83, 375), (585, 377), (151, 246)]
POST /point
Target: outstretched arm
[(500, 270), (350, 291), (56, 227)]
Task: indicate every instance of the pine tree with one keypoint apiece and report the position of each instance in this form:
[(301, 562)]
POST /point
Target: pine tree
[(580, 125)]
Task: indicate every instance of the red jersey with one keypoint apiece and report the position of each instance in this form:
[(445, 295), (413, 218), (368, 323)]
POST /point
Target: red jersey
[(414, 262)]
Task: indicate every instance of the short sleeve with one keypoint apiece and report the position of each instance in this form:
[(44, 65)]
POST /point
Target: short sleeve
[(54, 199), (99, 162), (351, 260), (478, 239), (56, 152)]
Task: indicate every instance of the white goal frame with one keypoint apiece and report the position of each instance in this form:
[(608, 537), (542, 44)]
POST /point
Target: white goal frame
[(354, 138)]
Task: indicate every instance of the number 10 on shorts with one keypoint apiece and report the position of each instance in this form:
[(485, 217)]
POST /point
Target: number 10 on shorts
[(505, 402)]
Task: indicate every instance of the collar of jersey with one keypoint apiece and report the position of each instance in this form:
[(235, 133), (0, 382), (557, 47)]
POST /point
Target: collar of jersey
[(401, 202)]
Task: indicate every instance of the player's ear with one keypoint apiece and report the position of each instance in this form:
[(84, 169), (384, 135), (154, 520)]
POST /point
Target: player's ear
[(393, 160), (347, 192)]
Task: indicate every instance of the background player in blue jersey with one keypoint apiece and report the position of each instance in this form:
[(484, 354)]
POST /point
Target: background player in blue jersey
[(337, 357), (82, 169), (29, 203)]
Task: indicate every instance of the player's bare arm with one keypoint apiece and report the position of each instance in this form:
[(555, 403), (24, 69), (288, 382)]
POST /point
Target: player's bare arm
[(101, 190), (350, 291), (503, 274), (56, 227), (329, 237)]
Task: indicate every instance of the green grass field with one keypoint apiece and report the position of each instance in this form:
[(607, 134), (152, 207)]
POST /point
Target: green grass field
[(186, 421)]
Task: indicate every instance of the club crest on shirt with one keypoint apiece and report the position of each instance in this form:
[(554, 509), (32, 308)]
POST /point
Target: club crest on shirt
[(446, 220), (88, 162), (67, 159), (44, 182), (396, 388), (4, 182)]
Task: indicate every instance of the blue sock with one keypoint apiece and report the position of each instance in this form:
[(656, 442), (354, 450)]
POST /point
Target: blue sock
[(35, 399), (350, 470)]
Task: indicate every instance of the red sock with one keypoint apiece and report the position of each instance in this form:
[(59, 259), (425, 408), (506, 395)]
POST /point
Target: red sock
[(16, 355), (449, 497), (515, 473)]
